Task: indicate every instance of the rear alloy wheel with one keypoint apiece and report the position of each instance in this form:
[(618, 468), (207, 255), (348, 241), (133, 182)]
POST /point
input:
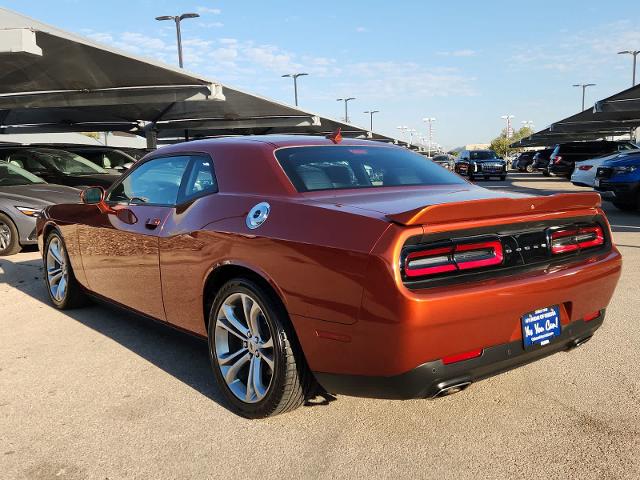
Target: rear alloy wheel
[(9, 240), (253, 352), (63, 288), (529, 168)]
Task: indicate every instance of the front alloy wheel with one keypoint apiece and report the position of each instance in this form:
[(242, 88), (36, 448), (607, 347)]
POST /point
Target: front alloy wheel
[(9, 243), (57, 270), (254, 353), (64, 290)]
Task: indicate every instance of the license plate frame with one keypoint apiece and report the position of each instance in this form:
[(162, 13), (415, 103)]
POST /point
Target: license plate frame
[(541, 327)]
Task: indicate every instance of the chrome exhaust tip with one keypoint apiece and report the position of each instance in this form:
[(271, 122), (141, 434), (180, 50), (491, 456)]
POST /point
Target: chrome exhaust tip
[(449, 388), (579, 342)]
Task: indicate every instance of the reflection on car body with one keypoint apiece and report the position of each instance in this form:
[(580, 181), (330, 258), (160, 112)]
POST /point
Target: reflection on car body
[(353, 264)]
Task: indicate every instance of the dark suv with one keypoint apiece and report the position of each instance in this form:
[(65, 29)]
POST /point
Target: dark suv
[(541, 161), (524, 162), (480, 163), (563, 160)]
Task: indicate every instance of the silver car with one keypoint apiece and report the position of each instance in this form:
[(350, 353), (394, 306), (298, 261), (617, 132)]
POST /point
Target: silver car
[(22, 197)]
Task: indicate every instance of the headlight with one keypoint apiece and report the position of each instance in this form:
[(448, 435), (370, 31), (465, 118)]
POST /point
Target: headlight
[(626, 169), (29, 212), (475, 166)]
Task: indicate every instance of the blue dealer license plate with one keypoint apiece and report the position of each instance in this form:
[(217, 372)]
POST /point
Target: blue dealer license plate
[(540, 327)]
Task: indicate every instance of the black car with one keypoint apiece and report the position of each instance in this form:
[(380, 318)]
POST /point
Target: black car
[(524, 162), (563, 160), (58, 166), (480, 163), (105, 157), (446, 161), (541, 161)]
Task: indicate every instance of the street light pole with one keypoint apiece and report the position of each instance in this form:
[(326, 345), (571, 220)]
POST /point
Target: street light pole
[(371, 112), (403, 129), (429, 121), (634, 54), (508, 118), (295, 83), (178, 19), (584, 87), (346, 107)]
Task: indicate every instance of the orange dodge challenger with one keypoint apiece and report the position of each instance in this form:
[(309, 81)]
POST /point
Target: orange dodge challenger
[(355, 265)]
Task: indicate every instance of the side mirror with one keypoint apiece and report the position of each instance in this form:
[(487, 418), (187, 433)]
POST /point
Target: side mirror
[(92, 195)]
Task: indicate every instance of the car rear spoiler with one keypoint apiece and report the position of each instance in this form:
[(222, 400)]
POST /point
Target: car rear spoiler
[(495, 207)]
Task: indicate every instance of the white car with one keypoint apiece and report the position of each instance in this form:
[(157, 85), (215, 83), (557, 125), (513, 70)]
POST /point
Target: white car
[(584, 174)]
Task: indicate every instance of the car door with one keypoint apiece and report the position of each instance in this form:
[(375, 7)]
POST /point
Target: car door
[(119, 241)]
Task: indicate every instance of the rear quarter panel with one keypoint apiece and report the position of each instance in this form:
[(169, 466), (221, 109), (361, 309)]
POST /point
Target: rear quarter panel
[(315, 258)]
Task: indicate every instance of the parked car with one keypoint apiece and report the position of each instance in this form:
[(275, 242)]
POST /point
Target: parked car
[(22, 197), (58, 166), (349, 263), (541, 161), (105, 157), (565, 155), (524, 162), (621, 176), (480, 163), (445, 160), (585, 173)]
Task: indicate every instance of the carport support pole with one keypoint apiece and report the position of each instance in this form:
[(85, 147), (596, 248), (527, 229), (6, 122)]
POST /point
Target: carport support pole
[(151, 133)]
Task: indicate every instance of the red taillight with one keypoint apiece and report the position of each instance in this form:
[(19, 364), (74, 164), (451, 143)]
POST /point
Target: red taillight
[(592, 316), (429, 262), (464, 256), (557, 159), (584, 168), (462, 356), (573, 239), (478, 255)]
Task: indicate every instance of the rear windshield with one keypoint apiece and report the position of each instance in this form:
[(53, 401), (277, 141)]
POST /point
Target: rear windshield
[(11, 174), (340, 167)]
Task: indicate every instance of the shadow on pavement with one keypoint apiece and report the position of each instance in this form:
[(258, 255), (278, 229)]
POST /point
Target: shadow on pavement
[(179, 354)]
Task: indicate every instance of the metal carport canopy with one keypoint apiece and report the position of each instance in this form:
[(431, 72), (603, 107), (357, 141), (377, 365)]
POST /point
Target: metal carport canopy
[(605, 119), (54, 81), (626, 101)]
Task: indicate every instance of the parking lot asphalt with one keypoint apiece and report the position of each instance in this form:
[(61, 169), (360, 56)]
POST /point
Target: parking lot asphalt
[(97, 393)]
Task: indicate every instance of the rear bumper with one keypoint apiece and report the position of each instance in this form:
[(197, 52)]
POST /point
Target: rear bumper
[(622, 190), (429, 379)]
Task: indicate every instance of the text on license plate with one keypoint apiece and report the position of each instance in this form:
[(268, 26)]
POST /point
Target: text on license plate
[(541, 326)]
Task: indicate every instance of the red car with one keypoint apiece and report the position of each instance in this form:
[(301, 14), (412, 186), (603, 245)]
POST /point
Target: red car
[(357, 265)]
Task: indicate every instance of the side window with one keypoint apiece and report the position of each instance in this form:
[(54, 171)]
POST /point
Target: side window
[(200, 179), (155, 182)]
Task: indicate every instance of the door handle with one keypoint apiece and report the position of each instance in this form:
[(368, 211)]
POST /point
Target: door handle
[(152, 223)]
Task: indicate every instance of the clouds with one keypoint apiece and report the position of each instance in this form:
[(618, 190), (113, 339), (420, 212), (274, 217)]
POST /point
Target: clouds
[(259, 65), (466, 52), (212, 11), (591, 51)]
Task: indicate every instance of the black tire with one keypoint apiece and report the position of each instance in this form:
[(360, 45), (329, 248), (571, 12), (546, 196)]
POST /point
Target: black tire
[(7, 227), (529, 169), (470, 177), (629, 206), (74, 296), (546, 173), (503, 178), (291, 381)]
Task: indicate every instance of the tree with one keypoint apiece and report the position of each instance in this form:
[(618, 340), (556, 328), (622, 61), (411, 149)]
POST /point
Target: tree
[(500, 144)]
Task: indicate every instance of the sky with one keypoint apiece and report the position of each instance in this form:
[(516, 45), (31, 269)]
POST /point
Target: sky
[(465, 63)]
